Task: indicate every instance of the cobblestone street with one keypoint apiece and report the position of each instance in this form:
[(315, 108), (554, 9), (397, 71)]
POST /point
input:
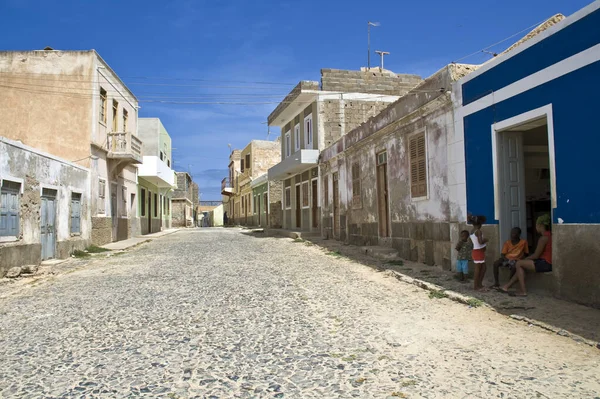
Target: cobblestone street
[(215, 313)]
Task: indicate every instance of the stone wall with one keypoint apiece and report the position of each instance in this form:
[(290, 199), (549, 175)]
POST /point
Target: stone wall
[(26, 173), (419, 227), (101, 230), (371, 81), (181, 211), (341, 116)]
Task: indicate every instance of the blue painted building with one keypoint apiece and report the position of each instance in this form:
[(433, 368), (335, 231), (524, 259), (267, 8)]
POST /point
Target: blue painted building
[(527, 123)]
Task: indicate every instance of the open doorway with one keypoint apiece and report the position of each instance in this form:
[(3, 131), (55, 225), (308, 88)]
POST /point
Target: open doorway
[(523, 174)]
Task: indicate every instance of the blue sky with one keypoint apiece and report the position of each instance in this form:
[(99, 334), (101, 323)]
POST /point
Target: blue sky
[(191, 51)]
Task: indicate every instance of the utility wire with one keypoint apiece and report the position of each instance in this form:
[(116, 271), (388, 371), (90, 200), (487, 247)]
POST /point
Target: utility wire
[(501, 41)]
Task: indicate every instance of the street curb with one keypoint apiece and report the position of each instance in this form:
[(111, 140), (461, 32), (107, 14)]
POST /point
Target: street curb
[(456, 297), (452, 295)]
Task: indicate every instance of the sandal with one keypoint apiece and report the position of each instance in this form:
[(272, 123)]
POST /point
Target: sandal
[(517, 294)]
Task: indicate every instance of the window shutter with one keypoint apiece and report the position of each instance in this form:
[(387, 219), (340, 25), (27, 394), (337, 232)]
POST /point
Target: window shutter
[(75, 215), (9, 212), (422, 165), (418, 166)]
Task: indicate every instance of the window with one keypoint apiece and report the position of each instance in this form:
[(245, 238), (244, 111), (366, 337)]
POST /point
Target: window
[(418, 166), (102, 105), (124, 199), (288, 198), (326, 191), (297, 136), (143, 203), (308, 131), (75, 213), (382, 158), (161, 156), (9, 209), (155, 205), (114, 116), (356, 201), (305, 195), (168, 163), (125, 117), (242, 165), (248, 162), (101, 196), (288, 145)]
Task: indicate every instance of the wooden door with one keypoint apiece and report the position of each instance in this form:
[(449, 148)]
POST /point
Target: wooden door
[(315, 203), (382, 195), (513, 183), (298, 207), (336, 206)]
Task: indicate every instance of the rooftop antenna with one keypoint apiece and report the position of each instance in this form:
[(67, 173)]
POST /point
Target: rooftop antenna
[(369, 24), (382, 54)]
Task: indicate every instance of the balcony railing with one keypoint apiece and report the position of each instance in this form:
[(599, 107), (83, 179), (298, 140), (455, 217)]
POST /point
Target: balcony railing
[(124, 145), (226, 187)]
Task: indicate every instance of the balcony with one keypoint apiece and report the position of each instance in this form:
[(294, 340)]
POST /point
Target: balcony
[(296, 163), (124, 146), (157, 172), (226, 187)]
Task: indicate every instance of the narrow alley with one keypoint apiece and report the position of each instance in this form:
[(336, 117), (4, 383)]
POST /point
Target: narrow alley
[(214, 313)]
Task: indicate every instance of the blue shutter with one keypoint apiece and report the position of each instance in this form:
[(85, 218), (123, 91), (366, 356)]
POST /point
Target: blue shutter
[(9, 212)]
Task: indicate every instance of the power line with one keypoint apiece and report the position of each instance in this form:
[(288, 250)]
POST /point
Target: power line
[(501, 41), (62, 78)]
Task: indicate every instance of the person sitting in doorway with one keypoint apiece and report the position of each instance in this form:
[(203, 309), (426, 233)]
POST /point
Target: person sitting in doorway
[(539, 262), (513, 250)]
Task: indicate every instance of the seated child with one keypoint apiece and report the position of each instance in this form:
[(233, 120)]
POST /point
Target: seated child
[(464, 248), (512, 251)]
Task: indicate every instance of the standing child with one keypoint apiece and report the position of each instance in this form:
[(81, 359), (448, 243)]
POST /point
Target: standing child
[(478, 254), (464, 248)]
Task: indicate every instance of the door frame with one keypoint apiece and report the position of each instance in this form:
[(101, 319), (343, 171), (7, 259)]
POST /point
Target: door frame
[(44, 199), (498, 160), (314, 205), (335, 203), (114, 214), (385, 196)]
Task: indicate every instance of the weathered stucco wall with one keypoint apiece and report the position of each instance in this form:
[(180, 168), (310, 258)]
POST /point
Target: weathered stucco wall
[(46, 100), (34, 171), (419, 227)]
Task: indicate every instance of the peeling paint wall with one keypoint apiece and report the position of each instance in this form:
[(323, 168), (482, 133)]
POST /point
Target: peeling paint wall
[(35, 170), (419, 227)]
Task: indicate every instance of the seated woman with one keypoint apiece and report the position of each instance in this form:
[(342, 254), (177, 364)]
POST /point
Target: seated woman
[(539, 262)]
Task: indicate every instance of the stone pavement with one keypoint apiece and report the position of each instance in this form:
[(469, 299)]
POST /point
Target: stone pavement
[(212, 313), (564, 317), (132, 242)]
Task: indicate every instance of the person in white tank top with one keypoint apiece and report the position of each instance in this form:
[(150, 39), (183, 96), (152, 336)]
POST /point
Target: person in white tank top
[(479, 245)]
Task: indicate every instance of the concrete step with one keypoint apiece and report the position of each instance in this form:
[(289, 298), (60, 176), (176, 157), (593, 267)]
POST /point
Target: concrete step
[(384, 253)]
